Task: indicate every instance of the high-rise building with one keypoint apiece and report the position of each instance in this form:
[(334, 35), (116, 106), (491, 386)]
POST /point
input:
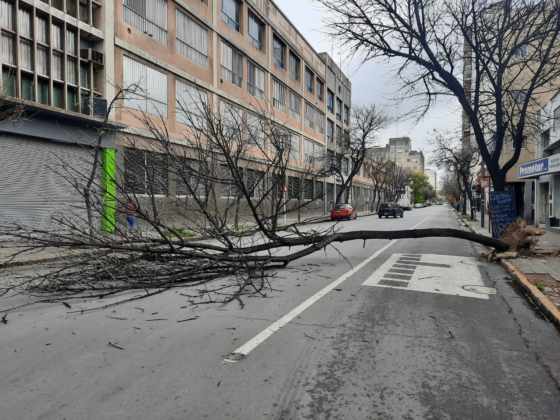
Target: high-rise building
[(65, 59), (399, 150)]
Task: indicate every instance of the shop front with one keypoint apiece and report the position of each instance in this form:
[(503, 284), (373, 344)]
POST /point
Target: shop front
[(545, 173)]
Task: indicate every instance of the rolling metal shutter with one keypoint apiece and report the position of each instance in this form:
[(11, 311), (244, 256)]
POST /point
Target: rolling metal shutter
[(31, 190)]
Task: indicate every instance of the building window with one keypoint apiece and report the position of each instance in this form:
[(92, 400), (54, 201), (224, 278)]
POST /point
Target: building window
[(7, 15), (85, 80), (330, 131), (27, 89), (150, 85), (58, 95), (8, 81), (232, 65), (309, 80), (346, 115), (320, 90), (556, 119), (232, 120), (145, 172), (295, 67), (191, 104), (84, 11), (42, 60), (149, 17), (339, 135), (294, 188), (26, 54), (73, 103), (56, 37), (256, 130), (192, 39), (314, 118), (24, 23), (72, 71), (319, 190), (278, 52), (311, 151), (278, 95), (330, 101), (41, 30), (7, 49), (295, 105), (308, 189), (295, 147), (338, 109), (71, 42), (256, 31), (255, 80), (43, 91), (231, 14)]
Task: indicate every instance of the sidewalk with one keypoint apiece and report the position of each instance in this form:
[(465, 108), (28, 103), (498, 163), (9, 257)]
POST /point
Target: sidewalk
[(539, 275)]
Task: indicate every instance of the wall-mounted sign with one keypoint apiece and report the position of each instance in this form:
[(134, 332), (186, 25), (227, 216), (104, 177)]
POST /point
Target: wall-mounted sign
[(538, 167)]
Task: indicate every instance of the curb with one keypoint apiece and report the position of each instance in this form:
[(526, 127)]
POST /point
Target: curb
[(532, 292), (544, 303)]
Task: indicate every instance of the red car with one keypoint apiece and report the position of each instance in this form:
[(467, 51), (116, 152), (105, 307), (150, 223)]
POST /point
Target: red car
[(343, 211)]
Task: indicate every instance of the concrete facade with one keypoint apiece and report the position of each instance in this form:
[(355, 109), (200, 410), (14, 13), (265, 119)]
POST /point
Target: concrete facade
[(399, 150), (238, 53)]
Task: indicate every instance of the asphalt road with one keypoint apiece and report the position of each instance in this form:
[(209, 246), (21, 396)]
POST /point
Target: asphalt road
[(432, 334)]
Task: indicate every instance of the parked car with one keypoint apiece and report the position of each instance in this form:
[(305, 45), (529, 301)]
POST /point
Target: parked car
[(419, 205), (390, 209), (344, 212)]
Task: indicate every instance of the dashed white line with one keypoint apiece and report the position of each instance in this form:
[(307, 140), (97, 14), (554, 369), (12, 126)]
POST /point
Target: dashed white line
[(244, 350)]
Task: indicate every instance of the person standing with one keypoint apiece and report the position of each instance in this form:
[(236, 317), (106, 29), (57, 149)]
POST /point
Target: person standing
[(131, 210)]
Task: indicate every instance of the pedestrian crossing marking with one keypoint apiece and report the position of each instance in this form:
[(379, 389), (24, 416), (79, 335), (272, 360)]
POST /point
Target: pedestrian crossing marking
[(432, 273)]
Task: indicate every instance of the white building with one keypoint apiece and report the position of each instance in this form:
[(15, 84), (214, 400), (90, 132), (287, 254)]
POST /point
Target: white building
[(545, 170)]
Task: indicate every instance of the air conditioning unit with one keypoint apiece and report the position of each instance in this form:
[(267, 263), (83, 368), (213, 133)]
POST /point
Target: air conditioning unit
[(92, 55)]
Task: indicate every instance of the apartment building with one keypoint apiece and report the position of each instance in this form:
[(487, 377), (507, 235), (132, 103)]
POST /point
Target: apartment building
[(399, 150), (543, 172), (243, 56), (53, 64)]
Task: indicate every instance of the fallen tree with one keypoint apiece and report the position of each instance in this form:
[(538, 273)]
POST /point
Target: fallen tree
[(225, 237)]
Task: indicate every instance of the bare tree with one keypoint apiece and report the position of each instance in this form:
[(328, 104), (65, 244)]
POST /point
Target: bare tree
[(508, 51), (397, 179), (189, 237), (365, 125), (460, 160), (376, 171)]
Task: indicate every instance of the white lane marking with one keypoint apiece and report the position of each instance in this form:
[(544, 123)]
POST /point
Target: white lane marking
[(447, 275), (244, 350)]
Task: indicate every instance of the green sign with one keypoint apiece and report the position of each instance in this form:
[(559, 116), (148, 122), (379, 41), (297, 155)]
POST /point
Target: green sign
[(109, 183)]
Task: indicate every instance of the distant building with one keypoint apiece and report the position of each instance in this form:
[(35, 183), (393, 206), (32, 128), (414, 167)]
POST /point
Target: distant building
[(399, 150)]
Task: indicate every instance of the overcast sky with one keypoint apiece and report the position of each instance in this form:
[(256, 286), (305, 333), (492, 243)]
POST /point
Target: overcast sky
[(372, 82)]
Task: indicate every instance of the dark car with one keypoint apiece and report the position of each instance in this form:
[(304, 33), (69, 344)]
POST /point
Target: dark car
[(343, 211), (390, 209)]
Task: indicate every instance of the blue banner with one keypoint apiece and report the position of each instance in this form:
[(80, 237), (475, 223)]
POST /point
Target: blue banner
[(502, 211), (535, 167)]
